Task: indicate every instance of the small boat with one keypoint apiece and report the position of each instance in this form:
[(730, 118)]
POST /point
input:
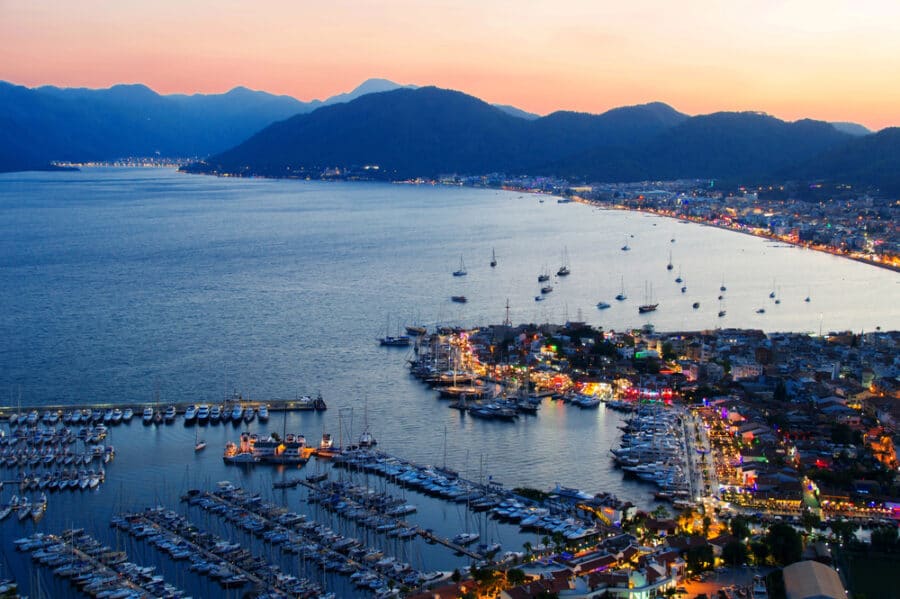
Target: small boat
[(669, 265), (200, 445), (127, 415), (203, 414), (237, 414), (539, 298), (24, 510), (215, 414), (761, 311), (38, 508), (169, 415), (249, 415), (459, 299), (721, 313), (190, 414), (147, 418), (493, 258), (684, 289), (286, 484), (807, 300), (602, 305), (416, 331), (696, 305), (461, 271), (399, 341), (723, 288), (543, 277), (263, 413), (546, 289)]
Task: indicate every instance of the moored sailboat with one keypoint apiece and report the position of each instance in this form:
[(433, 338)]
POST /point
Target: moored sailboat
[(648, 305), (461, 271), (564, 269)]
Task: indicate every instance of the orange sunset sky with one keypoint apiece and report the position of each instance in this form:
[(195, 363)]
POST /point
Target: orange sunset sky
[(827, 59)]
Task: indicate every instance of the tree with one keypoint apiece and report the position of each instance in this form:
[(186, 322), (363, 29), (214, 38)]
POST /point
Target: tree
[(559, 541), (809, 520), (739, 527), (844, 530), (456, 576), (785, 545), (735, 553), (527, 546), (760, 552), (515, 577), (699, 558), (884, 538), (660, 512), (668, 354)]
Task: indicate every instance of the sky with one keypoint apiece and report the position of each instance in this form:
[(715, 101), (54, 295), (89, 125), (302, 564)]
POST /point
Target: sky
[(833, 60)]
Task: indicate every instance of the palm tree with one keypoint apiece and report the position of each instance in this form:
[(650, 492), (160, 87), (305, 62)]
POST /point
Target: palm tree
[(559, 542), (528, 548)]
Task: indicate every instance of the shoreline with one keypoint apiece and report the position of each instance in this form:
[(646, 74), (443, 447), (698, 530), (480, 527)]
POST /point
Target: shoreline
[(693, 221)]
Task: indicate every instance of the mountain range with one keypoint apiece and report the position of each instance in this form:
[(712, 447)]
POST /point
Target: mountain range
[(426, 132), (410, 131), (45, 124)]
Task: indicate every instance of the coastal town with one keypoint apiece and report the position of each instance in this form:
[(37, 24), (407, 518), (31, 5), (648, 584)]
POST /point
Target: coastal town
[(755, 442)]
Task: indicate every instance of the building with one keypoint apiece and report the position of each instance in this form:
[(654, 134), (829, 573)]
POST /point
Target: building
[(812, 580)]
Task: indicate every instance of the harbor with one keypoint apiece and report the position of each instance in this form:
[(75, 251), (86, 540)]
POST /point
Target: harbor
[(369, 520)]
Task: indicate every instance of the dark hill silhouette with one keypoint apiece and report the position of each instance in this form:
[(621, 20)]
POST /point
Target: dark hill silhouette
[(870, 160), (431, 131)]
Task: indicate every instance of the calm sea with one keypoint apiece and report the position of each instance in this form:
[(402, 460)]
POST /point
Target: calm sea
[(116, 284)]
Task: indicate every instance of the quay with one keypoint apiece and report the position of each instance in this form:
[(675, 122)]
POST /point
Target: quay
[(300, 404), (430, 536)]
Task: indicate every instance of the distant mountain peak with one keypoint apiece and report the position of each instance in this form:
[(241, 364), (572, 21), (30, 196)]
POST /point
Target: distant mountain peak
[(854, 129), (369, 86)]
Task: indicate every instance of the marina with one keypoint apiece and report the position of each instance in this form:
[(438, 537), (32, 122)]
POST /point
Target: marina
[(258, 288)]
